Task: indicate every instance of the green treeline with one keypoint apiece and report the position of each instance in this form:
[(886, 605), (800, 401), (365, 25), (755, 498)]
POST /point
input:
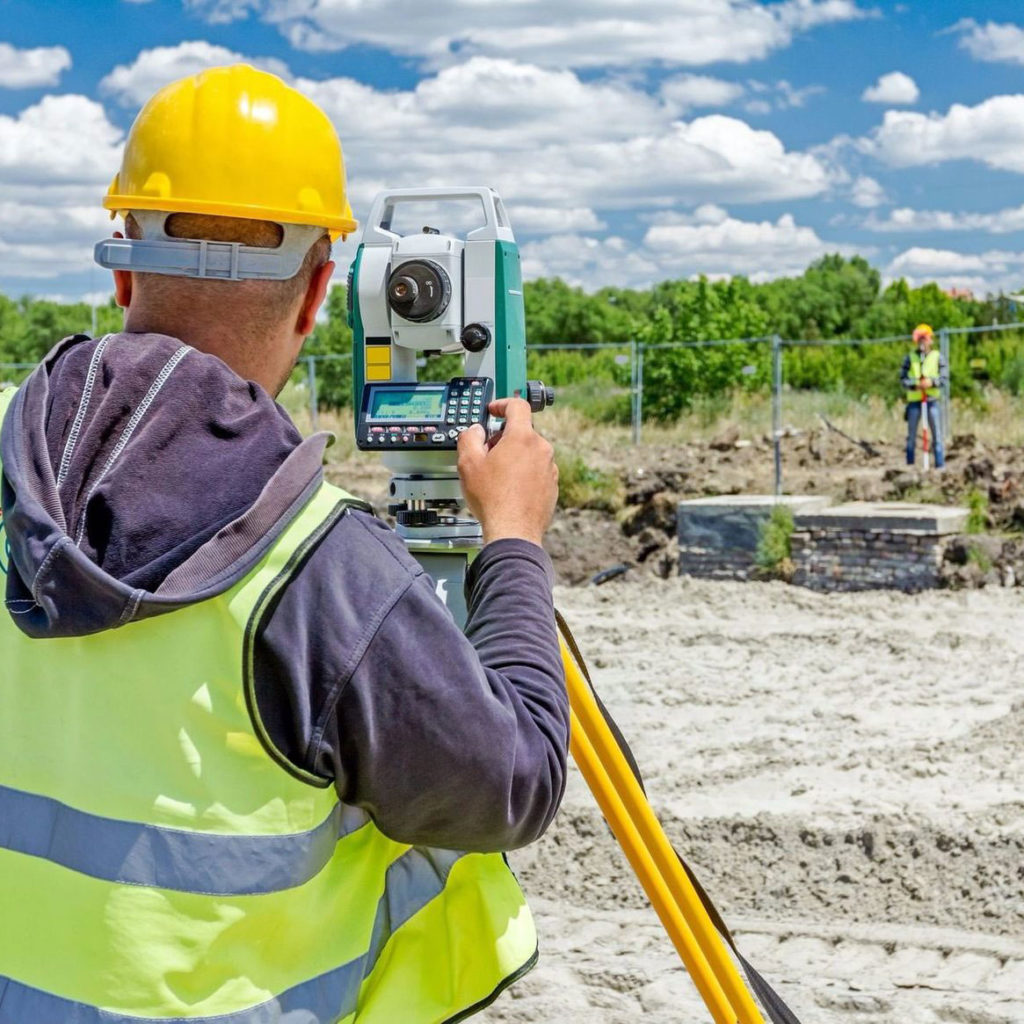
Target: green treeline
[(836, 297)]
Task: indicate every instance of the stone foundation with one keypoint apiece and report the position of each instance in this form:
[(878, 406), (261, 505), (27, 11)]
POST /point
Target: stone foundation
[(718, 536), (874, 546), (856, 546), (866, 560)]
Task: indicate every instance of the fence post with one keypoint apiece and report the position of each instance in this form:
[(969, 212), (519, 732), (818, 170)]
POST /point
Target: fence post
[(639, 393), (777, 410), (633, 422), (944, 352), (314, 422)]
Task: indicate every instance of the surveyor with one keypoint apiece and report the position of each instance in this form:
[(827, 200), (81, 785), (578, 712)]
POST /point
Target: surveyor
[(250, 770), (923, 376)]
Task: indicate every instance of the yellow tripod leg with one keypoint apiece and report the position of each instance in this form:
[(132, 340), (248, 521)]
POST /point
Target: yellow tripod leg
[(654, 885), (642, 838)]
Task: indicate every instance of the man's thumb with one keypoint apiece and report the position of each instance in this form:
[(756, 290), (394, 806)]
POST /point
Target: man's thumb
[(473, 443)]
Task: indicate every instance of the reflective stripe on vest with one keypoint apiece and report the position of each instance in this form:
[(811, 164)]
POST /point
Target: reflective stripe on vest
[(157, 863), (931, 368)]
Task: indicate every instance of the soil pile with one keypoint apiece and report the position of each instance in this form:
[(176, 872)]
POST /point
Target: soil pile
[(656, 478)]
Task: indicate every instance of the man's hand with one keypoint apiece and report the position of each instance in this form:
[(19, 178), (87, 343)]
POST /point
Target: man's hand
[(926, 382), (510, 481)]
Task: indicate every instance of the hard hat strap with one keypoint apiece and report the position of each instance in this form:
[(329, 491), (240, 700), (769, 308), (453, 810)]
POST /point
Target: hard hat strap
[(159, 253)]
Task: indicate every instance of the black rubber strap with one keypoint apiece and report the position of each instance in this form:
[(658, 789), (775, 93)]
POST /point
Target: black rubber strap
[(770, 1000)]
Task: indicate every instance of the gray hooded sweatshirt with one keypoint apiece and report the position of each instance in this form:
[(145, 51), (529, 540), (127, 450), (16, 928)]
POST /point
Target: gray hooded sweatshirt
[(141, 475)]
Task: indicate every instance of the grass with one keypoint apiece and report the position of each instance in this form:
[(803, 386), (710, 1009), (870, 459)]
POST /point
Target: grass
[(997, 419), (583, 486), (590, 454), (977, 511), (980, 557)]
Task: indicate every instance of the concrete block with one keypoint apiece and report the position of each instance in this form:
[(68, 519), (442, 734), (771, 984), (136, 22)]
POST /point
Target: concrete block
[(730, 522), (884, 516)]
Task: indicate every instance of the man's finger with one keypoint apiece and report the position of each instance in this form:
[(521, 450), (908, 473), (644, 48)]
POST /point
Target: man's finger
[(516, 412)]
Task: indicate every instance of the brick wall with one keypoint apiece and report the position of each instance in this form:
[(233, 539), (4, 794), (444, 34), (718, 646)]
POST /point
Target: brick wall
[(830, 559)]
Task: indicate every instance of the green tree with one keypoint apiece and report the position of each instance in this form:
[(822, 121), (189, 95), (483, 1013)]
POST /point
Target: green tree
[(694, 311), (901, 308), (826, 301), (558, 314)]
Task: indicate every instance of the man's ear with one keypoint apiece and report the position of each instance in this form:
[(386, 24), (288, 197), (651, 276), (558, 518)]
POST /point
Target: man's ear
[(122, 283), (314, 299)]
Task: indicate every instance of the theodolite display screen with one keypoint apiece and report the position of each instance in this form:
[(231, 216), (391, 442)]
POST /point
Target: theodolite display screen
[(412, 404), (412, 415)]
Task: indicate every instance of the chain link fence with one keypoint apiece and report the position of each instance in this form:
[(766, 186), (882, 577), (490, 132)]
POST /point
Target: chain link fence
[(616, 380)]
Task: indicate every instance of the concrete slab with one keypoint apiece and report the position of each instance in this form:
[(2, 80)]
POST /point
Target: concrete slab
[(730, 522), (885, 516)]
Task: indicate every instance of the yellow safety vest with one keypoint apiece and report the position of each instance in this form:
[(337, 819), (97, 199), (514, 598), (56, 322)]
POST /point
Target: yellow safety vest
[(158, 861), (929, 368)]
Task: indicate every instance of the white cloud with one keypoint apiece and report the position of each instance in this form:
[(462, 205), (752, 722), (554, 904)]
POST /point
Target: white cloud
[(551, 220), (59, 139), (26, 223), (24, 69), (503, 97), (779, 95), (865, 192), (923, 261), (572, 33), (790, 96), (685, 92), (544, 137), (991, 132), (991, 42), (980, 272), (132, 84), (716, 243), (39, 261), (547, 137), (590, 263), (52, 179), (707, 241), (222, 12), (893, 88), (905, 219)]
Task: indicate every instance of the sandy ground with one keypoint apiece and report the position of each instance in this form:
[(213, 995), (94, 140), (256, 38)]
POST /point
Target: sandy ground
[(845, 774)]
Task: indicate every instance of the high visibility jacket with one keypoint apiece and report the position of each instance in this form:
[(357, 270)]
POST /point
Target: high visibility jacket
[(159, 860), (929, 367)]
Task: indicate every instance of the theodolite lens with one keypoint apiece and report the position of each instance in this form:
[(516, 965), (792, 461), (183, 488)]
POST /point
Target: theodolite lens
[(419, 291)]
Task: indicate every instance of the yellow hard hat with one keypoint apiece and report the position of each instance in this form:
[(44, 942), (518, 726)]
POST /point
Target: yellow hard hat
[(234, 142), (921, 331)]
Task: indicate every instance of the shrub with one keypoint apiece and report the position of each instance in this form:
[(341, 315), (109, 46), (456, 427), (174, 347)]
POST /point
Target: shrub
[(775, 543)]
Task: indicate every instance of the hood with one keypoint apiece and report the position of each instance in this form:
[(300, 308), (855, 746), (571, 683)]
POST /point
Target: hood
[(140, 475)]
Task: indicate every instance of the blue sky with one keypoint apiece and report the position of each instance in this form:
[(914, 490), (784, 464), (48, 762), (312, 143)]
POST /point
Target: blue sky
[(633, 140)]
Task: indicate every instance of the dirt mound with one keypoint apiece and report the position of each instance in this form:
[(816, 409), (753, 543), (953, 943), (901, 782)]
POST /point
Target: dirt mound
[(821, 461), (641, 535)]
